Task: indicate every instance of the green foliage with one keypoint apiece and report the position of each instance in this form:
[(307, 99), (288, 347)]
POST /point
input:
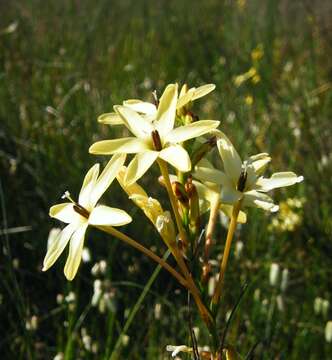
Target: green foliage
[(67, 62)]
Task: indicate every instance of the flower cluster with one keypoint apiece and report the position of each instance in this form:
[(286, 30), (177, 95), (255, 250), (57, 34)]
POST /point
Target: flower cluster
[(166, 132)]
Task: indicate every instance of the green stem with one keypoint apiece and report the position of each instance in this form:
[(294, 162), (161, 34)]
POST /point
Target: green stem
[(205, 314)]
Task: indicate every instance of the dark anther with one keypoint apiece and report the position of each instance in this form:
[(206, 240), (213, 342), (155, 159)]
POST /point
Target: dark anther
[(156, 140), (242, 180), (80, 210)]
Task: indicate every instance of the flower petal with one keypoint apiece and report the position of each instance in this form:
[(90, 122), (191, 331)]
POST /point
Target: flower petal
[(57, 246), (137, 124), (259, 162), (230, 157), (177, 156), (142, 107), (110, 119), (128, 145), (139, 165), (104, 215), (167, 109), (229, 195), (202, 91), (75, 252), (106, 177), (257, 199), (88, 184), (132, 189), (185, 99), (278, 180), (64, 212), (211, 175), (191, 131)]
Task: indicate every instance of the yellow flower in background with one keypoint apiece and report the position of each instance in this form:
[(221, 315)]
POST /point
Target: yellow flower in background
[(149, 111), (154, 139), (243, 180), (151, 207), (240, 79), (257, 53), (85, 212)]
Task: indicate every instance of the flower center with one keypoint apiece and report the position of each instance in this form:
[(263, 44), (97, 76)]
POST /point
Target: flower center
[(156, 140), (241, 184)]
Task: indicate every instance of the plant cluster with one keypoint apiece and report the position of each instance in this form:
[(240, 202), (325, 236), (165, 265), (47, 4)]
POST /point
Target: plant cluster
[(169, 133)]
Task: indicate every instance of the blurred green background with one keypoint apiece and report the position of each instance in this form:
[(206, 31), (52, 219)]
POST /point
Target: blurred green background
[(63, 63)]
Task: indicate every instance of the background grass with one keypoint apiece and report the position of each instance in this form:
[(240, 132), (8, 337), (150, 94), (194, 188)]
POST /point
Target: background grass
[(63, 63)]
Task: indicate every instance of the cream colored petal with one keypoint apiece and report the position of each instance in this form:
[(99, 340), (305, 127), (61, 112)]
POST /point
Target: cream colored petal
[(139, 165), (230, 157), (259, 162), (166, 110), (128, 145), (151, 207), (139, 126), (185, 98), (251, 177), (133, 189), (229, 195), (278, 180), (104, 215), (63, 212), (177, 156), (57, 246), (228, 210), (202, 91), (211, 175), (191, 131), (75, 252), (110, 119), (106, 177), (257, 199), (88, 184), (142, 107), (205, 192)]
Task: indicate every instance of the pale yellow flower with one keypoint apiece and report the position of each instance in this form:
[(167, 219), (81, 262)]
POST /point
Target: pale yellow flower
[(154, 139), (243, 180), (209, 193), (149, 111), (85, 212)]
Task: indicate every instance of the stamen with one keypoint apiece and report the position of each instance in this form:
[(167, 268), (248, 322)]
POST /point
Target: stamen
[(156, 140), (241, 184), (77, 207), (81, 210), (67, 195)]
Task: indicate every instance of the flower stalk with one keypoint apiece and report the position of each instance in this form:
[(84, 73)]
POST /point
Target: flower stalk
[(224, 261), (118, 234)]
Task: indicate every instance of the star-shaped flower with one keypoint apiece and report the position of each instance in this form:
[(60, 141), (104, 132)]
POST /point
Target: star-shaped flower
[(243, 180), (155, 138), (209, 193), (85, 212), (149, 111)]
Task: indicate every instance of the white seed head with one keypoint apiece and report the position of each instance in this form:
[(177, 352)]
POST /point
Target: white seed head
[(274, 274), (328, 332)]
